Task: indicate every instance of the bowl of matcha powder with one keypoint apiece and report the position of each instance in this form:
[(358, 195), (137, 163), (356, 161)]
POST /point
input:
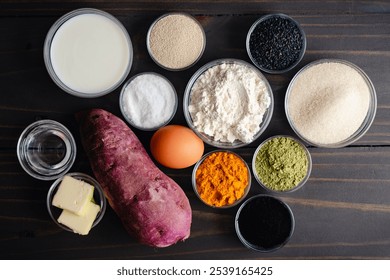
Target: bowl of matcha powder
[(281, 164)]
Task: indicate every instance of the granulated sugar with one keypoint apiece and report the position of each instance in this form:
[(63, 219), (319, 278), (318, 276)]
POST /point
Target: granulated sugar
[(148, 101), (328, 102), (176, 41)]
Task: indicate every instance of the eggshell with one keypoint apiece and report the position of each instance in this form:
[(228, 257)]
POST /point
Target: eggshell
[(176, 146)]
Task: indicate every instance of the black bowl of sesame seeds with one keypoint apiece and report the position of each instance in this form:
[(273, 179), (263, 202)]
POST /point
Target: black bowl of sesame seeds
[(276, 43)]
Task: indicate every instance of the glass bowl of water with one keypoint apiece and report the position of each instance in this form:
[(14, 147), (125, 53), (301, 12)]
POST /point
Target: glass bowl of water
[(46, 150)]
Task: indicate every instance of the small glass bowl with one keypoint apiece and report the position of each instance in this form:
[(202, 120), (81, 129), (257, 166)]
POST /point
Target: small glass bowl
[(208, 139), (151, 53), (301, 183), (262, 19), (366, 122), (194, 179), (47, 48), (98, 197), (129, 119), (46, 150), (258, 206)]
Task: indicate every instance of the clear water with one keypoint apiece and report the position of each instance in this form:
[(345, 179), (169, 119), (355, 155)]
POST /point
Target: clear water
[(47, 149)]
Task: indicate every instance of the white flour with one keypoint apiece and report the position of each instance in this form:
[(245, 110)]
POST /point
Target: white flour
[(228, 102)]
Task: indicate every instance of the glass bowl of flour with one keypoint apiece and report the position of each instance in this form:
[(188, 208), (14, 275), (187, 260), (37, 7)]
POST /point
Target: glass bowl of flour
[(330, 103), (228, 103)]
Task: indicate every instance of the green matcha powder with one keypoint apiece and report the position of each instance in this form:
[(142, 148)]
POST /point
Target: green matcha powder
[(281, 164)]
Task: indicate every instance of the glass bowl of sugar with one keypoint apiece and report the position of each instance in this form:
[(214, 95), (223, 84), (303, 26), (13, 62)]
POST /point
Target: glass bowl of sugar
[(228, 103), (148, 101), (88, 53), (330, 103)]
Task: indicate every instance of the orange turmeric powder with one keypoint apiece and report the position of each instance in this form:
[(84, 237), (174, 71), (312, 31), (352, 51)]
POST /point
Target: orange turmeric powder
[(221, 179)]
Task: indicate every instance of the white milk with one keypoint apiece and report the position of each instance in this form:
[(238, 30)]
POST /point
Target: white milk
[(90, 53)]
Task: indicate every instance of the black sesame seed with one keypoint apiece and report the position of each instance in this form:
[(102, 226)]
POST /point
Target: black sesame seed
[(276, 43)]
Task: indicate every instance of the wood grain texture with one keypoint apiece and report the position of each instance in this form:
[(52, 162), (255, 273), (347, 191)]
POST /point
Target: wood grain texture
[(343, 212)]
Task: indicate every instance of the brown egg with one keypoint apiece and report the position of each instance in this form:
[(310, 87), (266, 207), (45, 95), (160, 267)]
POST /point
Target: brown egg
[(176, 146)]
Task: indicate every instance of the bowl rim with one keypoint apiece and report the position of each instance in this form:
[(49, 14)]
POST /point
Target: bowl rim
[(368, 120), (187, 97), (148, 41), (193, 179), (22, 159), (50, 36), (301, 55), (127, 117), (252, 246), (86, 178), (309, 164)]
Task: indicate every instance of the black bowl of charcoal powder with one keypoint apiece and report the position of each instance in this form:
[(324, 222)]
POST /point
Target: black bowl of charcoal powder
[(264, 223), (276, 43)]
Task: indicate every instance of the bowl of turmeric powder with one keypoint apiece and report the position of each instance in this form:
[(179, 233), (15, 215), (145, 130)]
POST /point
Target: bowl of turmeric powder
[(221, 179)]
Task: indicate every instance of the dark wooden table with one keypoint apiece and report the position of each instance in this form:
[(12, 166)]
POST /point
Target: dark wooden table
[(343, 212)]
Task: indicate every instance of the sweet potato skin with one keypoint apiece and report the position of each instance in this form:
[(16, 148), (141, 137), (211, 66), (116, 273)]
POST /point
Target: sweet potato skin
[(151, 206)]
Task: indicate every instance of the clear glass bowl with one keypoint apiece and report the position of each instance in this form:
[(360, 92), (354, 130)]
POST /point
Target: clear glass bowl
[(273, 206), (304, 180), (248, 49), (98, 197), (46, 150), (151, 53), (208, 139), (193, 178), (47, 57), (129, 119), (366, 122)]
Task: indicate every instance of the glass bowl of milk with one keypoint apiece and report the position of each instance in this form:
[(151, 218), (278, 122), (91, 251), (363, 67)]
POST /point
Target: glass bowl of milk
[(88, 53)]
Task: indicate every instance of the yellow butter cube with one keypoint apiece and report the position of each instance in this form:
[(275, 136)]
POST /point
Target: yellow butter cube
[(80, 224), (73, 195)]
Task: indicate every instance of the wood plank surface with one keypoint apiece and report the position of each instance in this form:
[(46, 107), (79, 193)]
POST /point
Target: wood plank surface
[(343, 212)]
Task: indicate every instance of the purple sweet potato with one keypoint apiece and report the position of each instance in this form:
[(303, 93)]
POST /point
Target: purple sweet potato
[(151, 205)]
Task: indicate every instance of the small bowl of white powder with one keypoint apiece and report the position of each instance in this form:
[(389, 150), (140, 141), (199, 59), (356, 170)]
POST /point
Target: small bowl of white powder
[(228, 103), (330, 103), (148, 101)]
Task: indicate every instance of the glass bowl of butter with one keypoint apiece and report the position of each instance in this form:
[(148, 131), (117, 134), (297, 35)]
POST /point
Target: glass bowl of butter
[(76, 202)]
